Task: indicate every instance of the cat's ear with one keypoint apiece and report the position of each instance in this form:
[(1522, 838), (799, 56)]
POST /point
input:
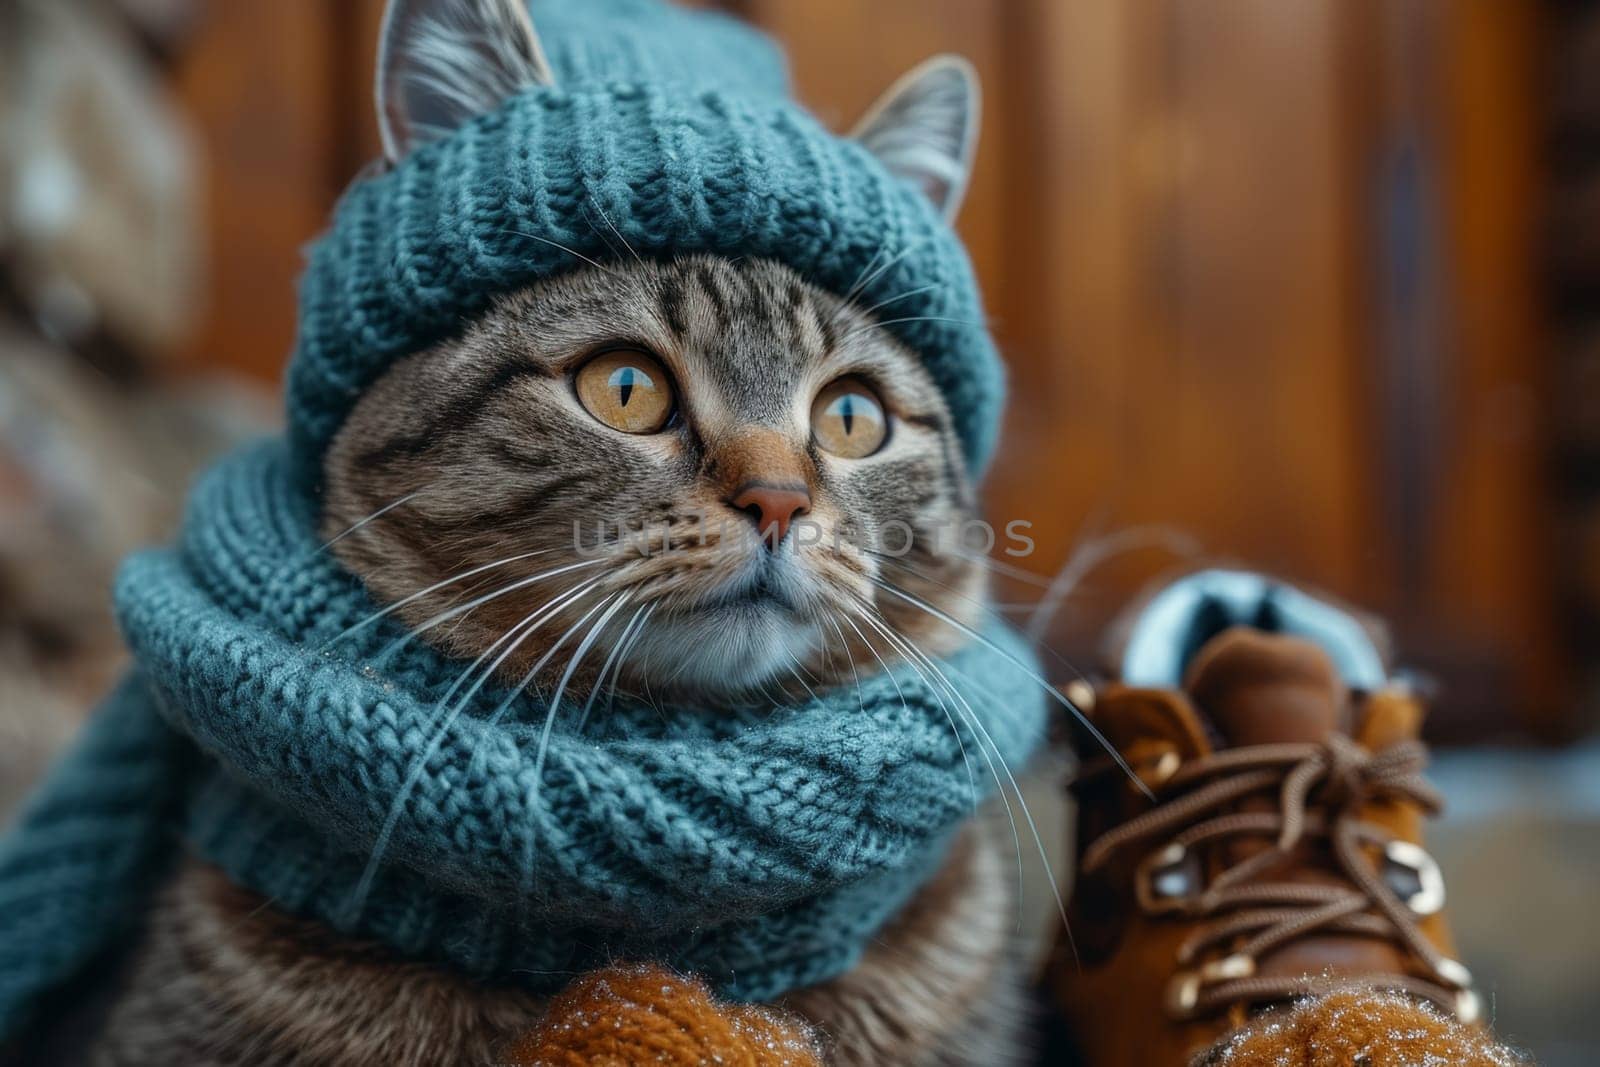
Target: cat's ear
[(442, 62), (925, 128)]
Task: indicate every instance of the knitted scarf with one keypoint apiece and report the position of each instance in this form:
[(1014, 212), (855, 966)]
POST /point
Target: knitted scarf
[(760, 848)]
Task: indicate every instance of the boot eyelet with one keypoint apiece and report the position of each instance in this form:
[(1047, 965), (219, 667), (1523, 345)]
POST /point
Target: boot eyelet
[(1183, 993), (1167, 880), (1414, 876), (1153, 772), (1229, 968), (1454, 973), (1159, 771)]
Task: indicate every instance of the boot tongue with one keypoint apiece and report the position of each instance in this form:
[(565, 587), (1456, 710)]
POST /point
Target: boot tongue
[(1259, 688)]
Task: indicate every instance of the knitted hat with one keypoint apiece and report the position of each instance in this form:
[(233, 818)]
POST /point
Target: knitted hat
[(670, 131)]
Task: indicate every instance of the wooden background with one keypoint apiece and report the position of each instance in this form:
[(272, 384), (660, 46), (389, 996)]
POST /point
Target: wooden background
[(1263, 271)]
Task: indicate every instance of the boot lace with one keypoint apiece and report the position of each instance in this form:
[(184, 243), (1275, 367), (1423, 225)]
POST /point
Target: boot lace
[(1321, 788)]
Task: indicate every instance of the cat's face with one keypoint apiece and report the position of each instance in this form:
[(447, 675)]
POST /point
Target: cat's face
[(707, 475), (714, 467)]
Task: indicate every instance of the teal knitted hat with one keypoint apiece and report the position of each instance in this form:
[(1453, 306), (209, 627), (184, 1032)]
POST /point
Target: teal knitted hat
[(668, 130)]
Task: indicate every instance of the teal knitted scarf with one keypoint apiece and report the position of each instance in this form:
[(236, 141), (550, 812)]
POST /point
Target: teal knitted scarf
[(758, 848)]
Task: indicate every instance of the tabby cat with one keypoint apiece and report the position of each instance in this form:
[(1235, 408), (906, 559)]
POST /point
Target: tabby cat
[(691, 477)]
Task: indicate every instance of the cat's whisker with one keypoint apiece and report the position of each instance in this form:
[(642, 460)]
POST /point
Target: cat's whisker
[(565, 601), (807, 671), (995, 566), (618, 601), (975, 723), (971, 778), (671, 679), (616, 673), (1180, 544), (1084, 560), (986, 607), (419, 594), (795, 669), (873, 275), (845, 645), (912, 655), (901, 644), (539, 665), (481, 584), (611, 658), (876, 325), (1033, 828), (419, 763), (907, 295), (477, 602), (1091, 554), (613, 228), (517, 635), (528, 627), (621, 601), (650, 697), (533, 671), (860, 280), (1050, 690), (569, 251), (376, 515)]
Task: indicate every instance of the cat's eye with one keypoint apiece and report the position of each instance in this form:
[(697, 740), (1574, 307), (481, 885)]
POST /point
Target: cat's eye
[(626, 389), (847, 419)]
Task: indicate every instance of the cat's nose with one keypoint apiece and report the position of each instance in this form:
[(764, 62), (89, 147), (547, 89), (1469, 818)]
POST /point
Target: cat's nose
[(773, 507)]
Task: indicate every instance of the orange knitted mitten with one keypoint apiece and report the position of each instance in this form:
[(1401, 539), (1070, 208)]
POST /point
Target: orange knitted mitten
[(645, 1014), (1362, 1029)]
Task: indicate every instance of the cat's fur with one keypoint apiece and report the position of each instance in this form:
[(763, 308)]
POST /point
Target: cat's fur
[(477, 458)]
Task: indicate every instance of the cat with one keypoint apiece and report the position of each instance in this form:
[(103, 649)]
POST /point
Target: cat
[(668, 478)]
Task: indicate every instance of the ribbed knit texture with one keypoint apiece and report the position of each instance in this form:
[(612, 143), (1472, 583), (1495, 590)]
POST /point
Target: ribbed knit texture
[(74, 866), (669, 131), (758, 849)]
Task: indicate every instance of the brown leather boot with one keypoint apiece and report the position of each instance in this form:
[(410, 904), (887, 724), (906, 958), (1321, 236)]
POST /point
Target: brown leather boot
[(1281, 853)]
